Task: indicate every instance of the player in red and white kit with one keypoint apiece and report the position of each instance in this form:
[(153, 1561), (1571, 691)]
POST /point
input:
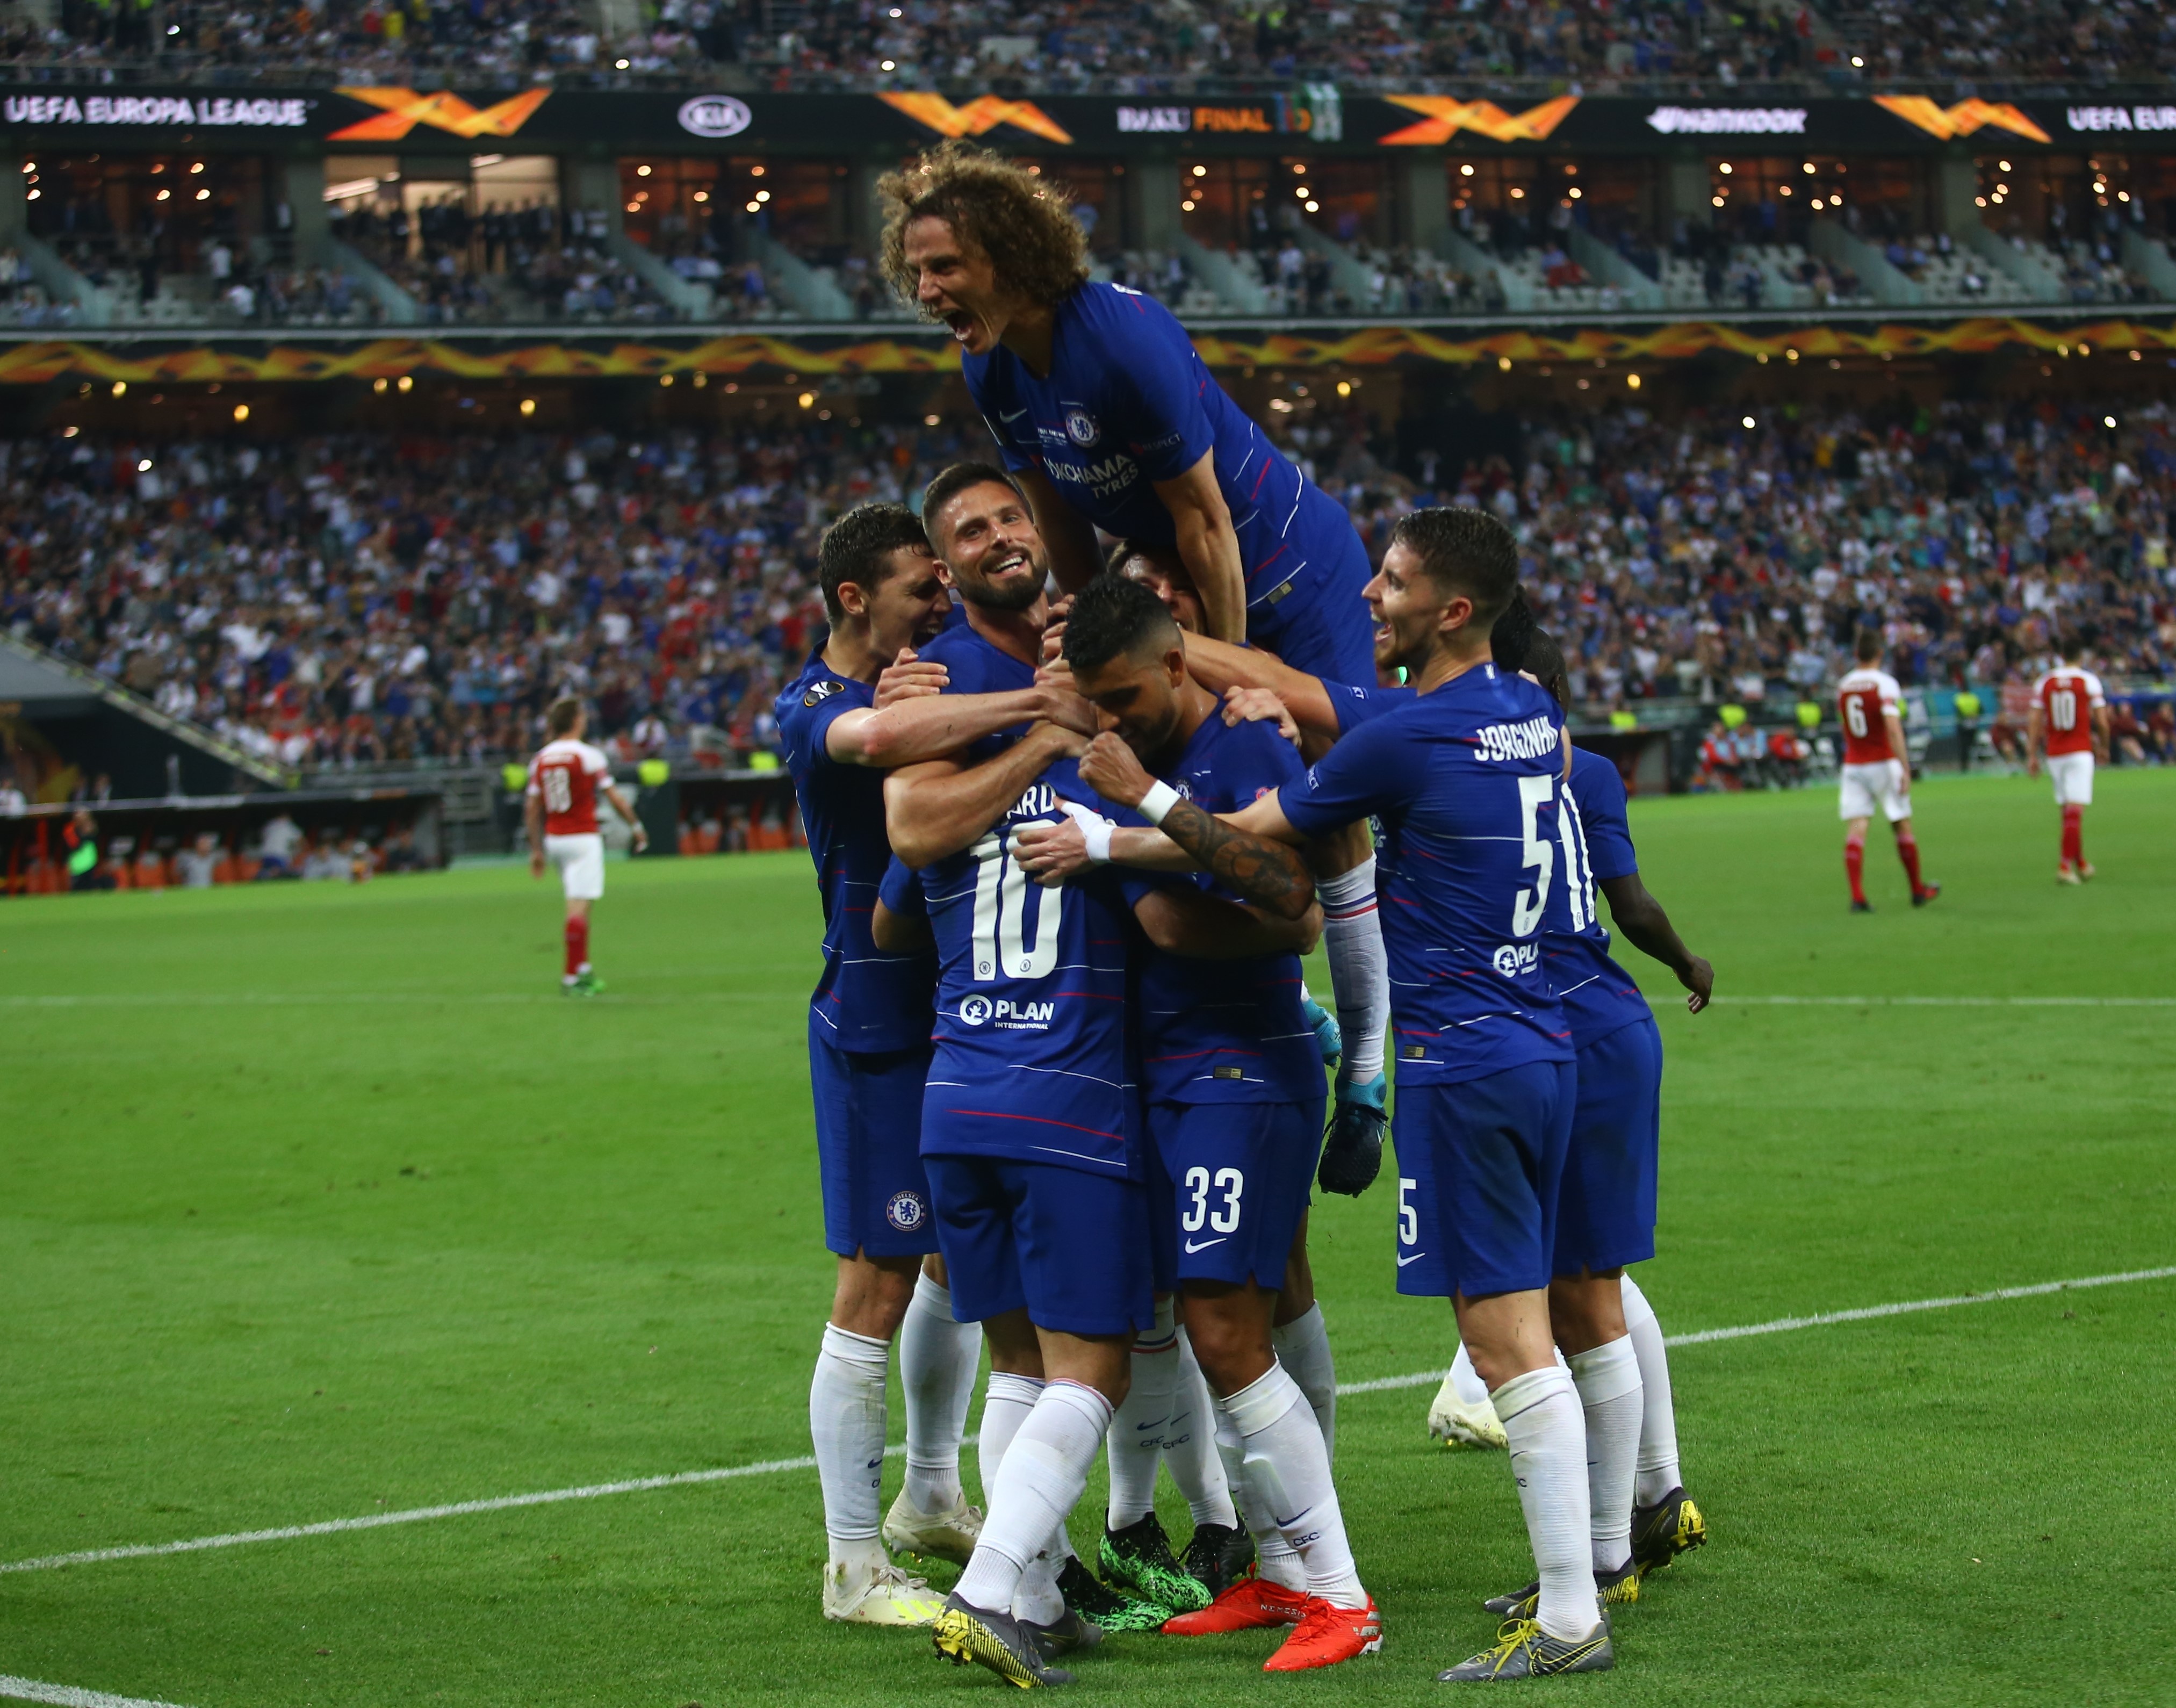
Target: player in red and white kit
[(564, 779), (1877, 771), (2069, 722)]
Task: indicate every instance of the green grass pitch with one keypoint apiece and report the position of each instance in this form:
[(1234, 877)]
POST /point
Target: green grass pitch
[(321, 1203)]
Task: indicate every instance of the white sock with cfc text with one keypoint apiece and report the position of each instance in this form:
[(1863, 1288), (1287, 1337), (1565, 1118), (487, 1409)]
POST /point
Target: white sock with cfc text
[(1276, 1561), (846, 1423), (1286, 1460), (1607, 1378), (1006, 1402), (1189, 1444), (937, 1361), (1137, 1428), (1547, 1432), (1658, 1473), (1038, 1484)]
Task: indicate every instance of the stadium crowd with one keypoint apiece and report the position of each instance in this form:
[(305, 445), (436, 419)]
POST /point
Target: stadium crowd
[(366, 599), (1113, 46)]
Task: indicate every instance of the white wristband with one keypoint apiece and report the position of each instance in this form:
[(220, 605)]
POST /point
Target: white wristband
[(1160, 798), (1095, 832)]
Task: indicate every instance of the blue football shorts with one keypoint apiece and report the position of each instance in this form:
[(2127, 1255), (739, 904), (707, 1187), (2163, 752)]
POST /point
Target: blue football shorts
[(1606, 1207), (1228, 1186), (1479, 1166), (869, 1148), (1071, 1246)]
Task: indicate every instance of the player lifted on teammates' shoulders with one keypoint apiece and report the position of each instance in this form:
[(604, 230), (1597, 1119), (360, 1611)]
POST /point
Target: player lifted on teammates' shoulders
[(1030, 1117), (2069, 723), (561, 815), (1465, 776), (1107, 417), (1877, 770), (869, 1053)]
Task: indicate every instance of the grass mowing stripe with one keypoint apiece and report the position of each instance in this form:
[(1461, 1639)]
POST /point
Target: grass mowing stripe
[(68, 1696), (764, 1467)]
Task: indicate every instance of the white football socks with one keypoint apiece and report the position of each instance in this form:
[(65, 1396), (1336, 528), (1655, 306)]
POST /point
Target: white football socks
[(1286, 1461), (1137, 1429), (1037, 1483), (1189, 1444), (1359, 969), (1465, 1379), (1276, 1560), (846, 1422), (1302, 1347), (1006, 1403), (1658, 1425), (1607, 1378), (937, 1361), (1547, 1432)]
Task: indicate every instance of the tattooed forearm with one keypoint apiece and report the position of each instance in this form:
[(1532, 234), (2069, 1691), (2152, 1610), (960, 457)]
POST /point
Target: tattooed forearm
[(1267, 874)]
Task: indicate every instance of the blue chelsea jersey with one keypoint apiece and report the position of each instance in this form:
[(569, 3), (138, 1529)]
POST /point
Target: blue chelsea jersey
[(1598, 995), (1128, 403), (1035, 1059), (1465, 782), (1225, 1031), (865, 1000)]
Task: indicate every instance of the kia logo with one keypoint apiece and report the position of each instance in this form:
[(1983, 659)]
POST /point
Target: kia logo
[(715, 116)]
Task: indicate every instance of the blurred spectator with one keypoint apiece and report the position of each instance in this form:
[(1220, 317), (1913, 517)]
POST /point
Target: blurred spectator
[(197, 867)]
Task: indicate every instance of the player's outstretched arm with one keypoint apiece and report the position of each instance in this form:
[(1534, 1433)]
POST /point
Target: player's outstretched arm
[(1641, 917), (1052, 853), (2103, 733), (2036, 729), (1220, 668), (1209, 546), (1208, 928), (1254, 852), (928, 727), (1897, 745), (1070, 536), (937, 808)]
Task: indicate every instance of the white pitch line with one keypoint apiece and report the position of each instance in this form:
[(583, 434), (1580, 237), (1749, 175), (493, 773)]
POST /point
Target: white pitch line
[(68, 1696), (1781, 1326), (764, 1467)]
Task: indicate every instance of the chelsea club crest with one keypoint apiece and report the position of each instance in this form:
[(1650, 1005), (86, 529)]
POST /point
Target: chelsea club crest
[(1080, 427), (905, 1211)]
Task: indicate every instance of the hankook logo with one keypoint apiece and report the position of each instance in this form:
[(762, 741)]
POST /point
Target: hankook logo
[(715, 116)]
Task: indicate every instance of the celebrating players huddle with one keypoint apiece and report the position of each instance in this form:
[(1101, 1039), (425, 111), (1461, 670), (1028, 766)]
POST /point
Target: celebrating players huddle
[(1068, 1081)]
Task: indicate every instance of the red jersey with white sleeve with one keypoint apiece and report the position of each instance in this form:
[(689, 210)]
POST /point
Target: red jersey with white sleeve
[(1864, 699), (568, 774), (2066, 697)]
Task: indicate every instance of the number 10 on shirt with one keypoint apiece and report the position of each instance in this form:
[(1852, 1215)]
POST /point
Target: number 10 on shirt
[(1001, 889)]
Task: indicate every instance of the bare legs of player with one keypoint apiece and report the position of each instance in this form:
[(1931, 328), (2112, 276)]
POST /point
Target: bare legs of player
[(1586, 1313), (877, 1298), (1512, 1346), (1052, 1397)]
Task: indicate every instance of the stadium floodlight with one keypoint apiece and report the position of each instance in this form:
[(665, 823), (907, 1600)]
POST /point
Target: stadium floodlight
[(144, 465), (241, 411), (120, 387), (2107, 421), (1201, 171), (642, 172), (379, 385), (886, 65), (1747, 423), (1857, 63), (406, 382), (529, 405), (929, 421), (1717, 200), (1314, 207), (1633, 381)]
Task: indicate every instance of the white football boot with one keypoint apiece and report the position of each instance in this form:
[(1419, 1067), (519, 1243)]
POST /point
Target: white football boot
[(885, 1595), (1461, 1422), (920, 1536)]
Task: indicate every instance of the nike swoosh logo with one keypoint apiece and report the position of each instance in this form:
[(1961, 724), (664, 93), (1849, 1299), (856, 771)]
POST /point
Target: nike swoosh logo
[(1415, 1258), (1191, 1248), (1287, 1523), (1014, 415), (1158, 1424)]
